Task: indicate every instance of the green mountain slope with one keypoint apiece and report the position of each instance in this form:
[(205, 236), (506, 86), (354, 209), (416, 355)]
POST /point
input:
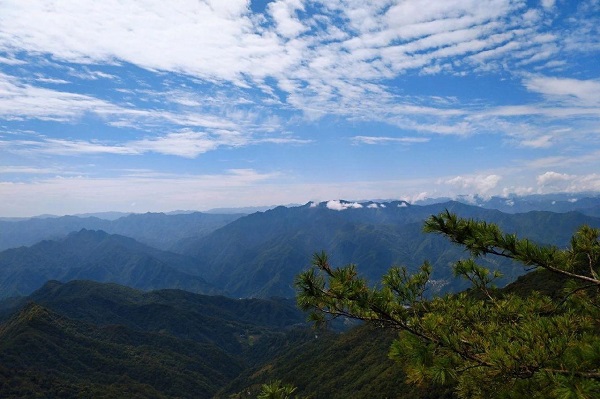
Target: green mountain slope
[(88, 339), (227, 323), (328, 366), (44, 354)]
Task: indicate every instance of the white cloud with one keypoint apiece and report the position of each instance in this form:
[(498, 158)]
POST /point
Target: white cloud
[(218, 76), (79, 194), (11, 61), (52, 81), (322, 68), (337, 205), (568, 183), (19, 101), (30, 170), (541, 110), (553, 178), (416, 195), (152, 34), (477, 184), (548, 3), (283, 12), (188, 144), (585, 92), (88, 74)]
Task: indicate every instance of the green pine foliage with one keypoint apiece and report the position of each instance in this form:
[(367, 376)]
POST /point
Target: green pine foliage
[(276, 390), (484, 342)]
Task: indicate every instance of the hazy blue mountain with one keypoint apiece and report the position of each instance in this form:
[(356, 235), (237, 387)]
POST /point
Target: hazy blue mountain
[(260, 254), (162, 231), (99, 256), (155, 229), (244, 210), (34, 230), (104, 215), (586, 203)]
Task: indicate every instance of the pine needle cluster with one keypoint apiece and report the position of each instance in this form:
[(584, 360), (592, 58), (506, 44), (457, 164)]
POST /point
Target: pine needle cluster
[(484, 342)]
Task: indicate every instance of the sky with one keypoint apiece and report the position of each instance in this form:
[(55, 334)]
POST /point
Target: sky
[(153, 105)]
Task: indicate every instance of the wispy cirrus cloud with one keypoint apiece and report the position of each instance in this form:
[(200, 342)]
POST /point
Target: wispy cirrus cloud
[(30, 170), (388, 140), (183, 79), (324, 57), (20, 101), (336, 53), (185, 143)]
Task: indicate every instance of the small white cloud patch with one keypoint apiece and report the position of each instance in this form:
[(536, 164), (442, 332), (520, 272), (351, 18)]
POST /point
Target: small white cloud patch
[(337, 205)]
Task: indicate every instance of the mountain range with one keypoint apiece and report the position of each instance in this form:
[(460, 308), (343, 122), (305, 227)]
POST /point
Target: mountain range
[(86, 311), (259, 255)]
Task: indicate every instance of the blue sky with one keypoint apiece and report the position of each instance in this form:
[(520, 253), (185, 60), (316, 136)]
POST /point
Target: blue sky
[(156, 105)]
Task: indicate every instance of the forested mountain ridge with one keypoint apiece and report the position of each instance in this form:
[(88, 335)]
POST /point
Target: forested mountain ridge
[(259, 255), (105, 340), (352, 364), (99, 256), (44, 353), (165, 231)]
